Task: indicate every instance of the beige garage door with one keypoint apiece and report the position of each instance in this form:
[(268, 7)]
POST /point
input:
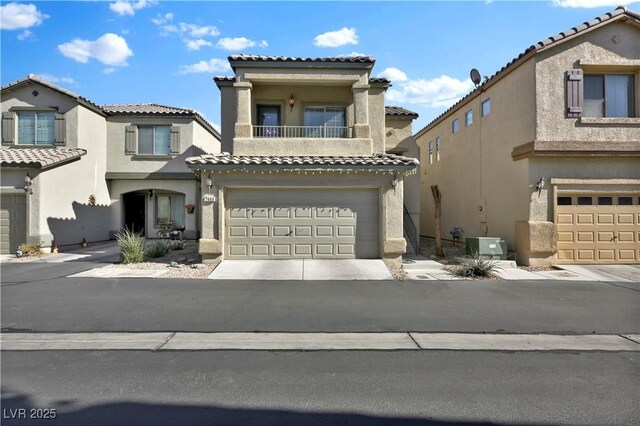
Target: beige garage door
[(293, 224), (13, 222), (598, 228)]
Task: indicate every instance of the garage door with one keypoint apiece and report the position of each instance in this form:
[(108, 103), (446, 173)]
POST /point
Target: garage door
[(13, 222), (598, 228), (291, 224)]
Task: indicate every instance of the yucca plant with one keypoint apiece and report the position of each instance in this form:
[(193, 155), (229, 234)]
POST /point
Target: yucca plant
[(131, 246), (157, 249), (476, 266)]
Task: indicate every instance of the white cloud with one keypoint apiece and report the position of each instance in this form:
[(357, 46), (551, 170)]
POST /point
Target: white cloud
[(238, 43), (337, 38), (351, 55), (393, 74), (108, 71), (591, 3), (210, 66), (197, 44), (26, 35), (16, 16), (110, 49), (124, 7), (160, 19), (54, 79), (441, 91)]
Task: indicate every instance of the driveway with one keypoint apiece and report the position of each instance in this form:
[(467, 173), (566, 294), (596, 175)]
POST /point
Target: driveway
[(302, 269)]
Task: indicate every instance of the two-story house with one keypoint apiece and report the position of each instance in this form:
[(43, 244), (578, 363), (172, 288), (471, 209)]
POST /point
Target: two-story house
[(76, 171), (545, 153), (304, 170)]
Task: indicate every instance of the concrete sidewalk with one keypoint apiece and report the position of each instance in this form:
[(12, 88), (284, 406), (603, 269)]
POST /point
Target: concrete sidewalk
[(317, 341)]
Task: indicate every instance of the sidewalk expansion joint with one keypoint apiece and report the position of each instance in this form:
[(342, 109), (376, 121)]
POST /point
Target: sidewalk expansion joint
[(169, 337), (414, 340), (629, 339)]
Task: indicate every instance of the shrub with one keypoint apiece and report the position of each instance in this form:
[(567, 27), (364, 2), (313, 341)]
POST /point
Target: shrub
[(158, 249), (30, 249), (476, 266), (177, 245), (131, 246)]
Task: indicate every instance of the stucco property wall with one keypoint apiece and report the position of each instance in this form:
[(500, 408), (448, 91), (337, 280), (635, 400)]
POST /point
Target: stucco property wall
[(612, 48), (483, 190)]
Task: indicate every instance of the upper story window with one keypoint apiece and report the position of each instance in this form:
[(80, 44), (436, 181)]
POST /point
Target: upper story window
[(486, 107), (36, 128), (455, 126), (430, 152), (609, 95), (154, 140), (438, 148), (325, 122), (468, 118)]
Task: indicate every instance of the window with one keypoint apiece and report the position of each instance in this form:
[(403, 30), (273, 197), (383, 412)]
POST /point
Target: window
[(486, 107), (170, 208), (584, 201), (36, 128), (625, 201), (605, 201), (430, 152), (609, 95), (455, 126), (155, 140), (438, 148), (564, 201), (268, 122), (325, 122), (468, 118)]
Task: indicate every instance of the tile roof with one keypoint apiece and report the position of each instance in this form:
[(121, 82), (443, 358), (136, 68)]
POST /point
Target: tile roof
[(372, 80), (396, 111), (300, 160), (379, 80), (617, 13), (36, 79), (261, 58), (38, 158)]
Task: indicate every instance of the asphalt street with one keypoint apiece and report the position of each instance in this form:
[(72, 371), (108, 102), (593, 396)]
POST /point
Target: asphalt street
[(304, 388), (40, 298)]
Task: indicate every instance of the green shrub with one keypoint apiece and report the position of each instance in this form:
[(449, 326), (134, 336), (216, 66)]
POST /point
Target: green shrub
[(131, 246), (30, 249), (476, 266), (177, 245), (158, 249)]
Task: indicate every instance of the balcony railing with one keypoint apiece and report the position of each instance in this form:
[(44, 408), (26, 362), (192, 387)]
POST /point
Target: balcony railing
[(301, 132)]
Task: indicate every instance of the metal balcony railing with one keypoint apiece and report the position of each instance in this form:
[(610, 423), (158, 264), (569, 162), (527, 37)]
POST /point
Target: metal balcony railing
[(301, 132)]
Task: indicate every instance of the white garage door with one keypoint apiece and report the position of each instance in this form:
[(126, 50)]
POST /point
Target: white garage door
[(294, 224), (13, 222), (598, 228)]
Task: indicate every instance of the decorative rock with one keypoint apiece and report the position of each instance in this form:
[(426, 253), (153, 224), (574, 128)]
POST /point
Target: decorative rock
[(198, 265), (173, 264), (182, 259), (191, 261)]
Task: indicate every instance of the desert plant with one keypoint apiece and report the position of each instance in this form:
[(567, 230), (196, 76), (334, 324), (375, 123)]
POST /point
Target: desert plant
[(177, 245), (131, 246), (30, 249), (475, 266), (158, 249)]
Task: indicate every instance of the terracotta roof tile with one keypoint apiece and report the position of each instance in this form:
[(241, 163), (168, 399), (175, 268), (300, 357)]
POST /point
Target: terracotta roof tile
[(38, 158), (261, 58), (300, 160), (383, 80), (543, 44), (396, 111)]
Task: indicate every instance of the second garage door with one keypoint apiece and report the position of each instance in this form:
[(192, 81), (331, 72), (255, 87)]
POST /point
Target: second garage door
[(293, 223), (13, 222)]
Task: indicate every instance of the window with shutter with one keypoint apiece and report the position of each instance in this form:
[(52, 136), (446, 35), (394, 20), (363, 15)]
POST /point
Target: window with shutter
[(60, 130), (8, 128), (574, 93)]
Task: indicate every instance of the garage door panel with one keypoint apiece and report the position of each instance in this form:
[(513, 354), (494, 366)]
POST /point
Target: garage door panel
[(586, 255), (302, 223), (605, 219), (585, 237), (626, 237), (238, 231), (606, 237), (238, 250), (626, 219), (626, 255), (13, 222)]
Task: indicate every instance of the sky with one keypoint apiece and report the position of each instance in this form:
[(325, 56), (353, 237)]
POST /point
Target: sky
[(168, 52)]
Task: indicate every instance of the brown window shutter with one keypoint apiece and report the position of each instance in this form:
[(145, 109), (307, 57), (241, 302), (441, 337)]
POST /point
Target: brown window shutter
[(8, 128), (130, 140), (575, 85), (175, 140), (60, 130)]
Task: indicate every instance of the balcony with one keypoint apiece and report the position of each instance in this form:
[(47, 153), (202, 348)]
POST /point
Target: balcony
[(297, 132)]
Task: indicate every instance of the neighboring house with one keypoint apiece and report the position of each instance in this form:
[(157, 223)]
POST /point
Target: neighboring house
[(567, 112), (305, 171), (67, 174)]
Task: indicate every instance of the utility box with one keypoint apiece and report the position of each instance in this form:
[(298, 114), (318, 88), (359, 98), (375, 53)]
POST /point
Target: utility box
[(486, 247)]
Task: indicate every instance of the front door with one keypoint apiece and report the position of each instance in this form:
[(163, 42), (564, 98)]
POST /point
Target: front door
[(134, 212), (268, 121)]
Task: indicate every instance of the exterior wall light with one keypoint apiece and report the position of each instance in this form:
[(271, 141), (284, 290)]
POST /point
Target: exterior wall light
[(209, 183), (27, 184), (292, 102), (150, 193), (394, 182)]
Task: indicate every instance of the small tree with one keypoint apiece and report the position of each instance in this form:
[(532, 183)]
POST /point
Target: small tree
[(437, 198)]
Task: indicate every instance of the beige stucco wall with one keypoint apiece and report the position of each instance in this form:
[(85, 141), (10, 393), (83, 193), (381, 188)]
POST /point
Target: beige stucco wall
[(120, 187), (202, 138), (596, 52), (483, 190), (392, 243), (377, 118)]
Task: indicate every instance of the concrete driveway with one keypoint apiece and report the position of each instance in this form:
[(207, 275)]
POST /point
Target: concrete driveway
[(302, 269), (622, 273)]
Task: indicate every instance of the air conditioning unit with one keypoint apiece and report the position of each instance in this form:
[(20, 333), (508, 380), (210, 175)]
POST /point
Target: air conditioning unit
[(486, 247)]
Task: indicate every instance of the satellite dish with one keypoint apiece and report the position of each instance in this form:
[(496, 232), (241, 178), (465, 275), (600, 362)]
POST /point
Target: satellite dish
[(475, 76)]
